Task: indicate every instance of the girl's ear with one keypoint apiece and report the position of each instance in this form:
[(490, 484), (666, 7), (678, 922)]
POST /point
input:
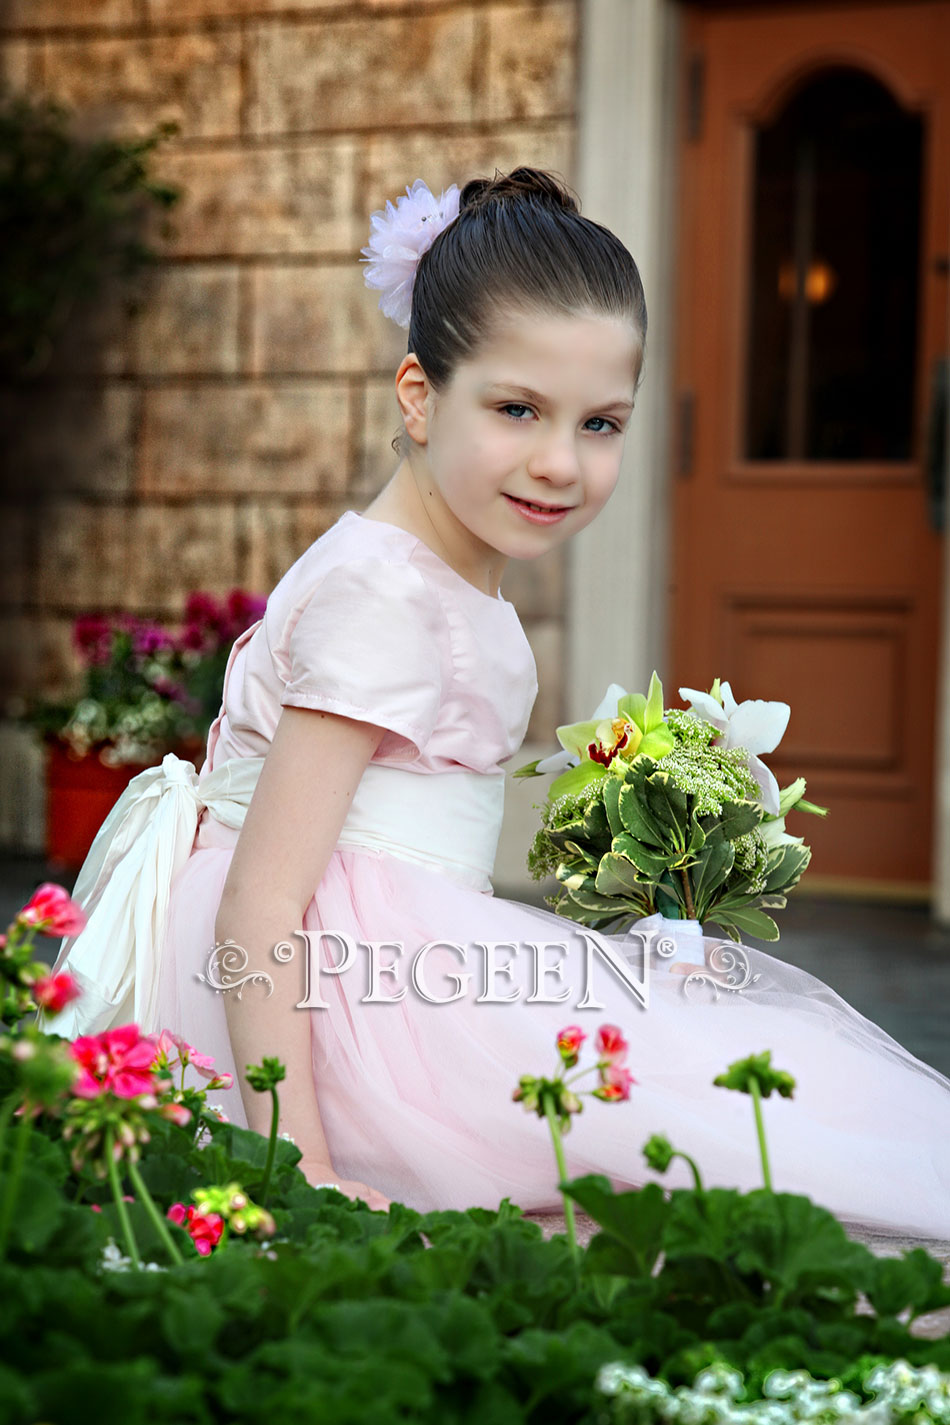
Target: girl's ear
[(412, 393)]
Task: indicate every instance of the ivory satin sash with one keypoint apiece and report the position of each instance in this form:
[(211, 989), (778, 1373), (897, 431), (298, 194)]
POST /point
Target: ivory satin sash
[(125, 882)]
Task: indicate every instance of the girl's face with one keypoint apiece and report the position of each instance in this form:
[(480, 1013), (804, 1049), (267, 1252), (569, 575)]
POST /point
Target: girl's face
[(537, 417)]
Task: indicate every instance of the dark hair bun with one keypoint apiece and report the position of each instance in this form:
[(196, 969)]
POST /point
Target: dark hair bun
[(518, 185), (519, 246)]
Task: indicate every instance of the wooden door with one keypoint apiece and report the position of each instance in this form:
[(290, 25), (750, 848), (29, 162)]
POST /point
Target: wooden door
[(812, 318)]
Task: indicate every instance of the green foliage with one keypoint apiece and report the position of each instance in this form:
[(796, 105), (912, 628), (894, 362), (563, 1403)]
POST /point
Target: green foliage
[(349, 1315), (72, 212)]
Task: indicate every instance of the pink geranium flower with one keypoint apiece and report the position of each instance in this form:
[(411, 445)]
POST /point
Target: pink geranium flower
[(172, 1048), (615, 1083), (51, 911), (569, 1042), (177, 1113), (204, 1063), (119, 1062), (611, 1045), (55, 992)]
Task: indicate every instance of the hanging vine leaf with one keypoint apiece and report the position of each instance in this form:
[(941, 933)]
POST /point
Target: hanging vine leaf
[(72, 217)]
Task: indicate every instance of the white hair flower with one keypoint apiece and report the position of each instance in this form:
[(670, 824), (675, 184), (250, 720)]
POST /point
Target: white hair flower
[(400, 236)]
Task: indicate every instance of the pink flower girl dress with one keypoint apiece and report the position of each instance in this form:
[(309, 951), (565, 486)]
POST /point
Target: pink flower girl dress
[(415, 1065)]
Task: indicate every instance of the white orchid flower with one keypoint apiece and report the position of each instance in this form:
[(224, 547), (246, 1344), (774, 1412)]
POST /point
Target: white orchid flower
[(754, 725), (773, 833)]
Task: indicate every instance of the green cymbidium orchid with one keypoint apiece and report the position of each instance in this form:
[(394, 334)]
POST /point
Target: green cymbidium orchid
[(635, 729)]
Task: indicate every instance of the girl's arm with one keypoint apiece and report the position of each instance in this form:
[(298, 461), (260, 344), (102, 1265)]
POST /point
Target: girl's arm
[(308, 779)]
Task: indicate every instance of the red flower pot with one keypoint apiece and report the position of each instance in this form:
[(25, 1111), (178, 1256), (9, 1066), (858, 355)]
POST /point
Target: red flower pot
[(80, 793)]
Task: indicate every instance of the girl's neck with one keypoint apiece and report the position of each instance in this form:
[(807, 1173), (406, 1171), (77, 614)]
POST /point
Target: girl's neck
[(402, 502)]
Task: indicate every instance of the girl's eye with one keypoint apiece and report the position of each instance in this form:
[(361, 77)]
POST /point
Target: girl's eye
[(611, 426)]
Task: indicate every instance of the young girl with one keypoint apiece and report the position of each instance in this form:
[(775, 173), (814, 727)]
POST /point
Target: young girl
[(354, 785)]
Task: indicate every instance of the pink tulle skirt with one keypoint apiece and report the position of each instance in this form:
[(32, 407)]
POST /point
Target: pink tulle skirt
[(416, 1097)]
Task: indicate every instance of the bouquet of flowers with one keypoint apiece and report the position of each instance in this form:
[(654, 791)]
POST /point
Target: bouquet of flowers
[(670, 811), (146, 690)]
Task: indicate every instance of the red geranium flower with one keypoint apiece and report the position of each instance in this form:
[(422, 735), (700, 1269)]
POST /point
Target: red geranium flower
[(119, 1061), (204, 1228), (55, 992), (51, 911)]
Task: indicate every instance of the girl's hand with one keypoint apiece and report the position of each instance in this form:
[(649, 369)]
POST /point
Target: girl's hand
[(321, 1175)]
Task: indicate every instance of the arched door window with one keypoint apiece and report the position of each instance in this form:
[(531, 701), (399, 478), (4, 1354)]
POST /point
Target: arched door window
[(833, 311)]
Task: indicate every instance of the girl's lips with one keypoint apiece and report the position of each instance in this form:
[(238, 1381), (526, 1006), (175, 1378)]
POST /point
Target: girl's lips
[(546, 516)]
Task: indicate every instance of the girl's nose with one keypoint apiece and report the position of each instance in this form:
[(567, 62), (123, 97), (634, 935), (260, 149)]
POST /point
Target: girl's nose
[(554, 458)]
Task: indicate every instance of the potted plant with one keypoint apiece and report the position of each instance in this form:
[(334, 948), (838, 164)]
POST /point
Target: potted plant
[(146, 691)]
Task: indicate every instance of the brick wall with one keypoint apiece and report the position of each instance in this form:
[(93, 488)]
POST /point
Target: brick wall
[(208, 438)]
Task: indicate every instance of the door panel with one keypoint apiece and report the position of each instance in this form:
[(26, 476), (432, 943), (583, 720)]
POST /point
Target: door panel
[(812, 310)]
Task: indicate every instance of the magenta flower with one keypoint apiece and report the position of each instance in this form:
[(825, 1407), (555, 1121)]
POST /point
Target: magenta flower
[(611, 1045), (51, 911), (244, 609), (149, 639), (202, 608), (192, 637), (92, 638), (55, 992), (118, 1062)]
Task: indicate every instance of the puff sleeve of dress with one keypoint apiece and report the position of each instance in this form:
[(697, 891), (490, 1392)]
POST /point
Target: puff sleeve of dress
[(368, 644)]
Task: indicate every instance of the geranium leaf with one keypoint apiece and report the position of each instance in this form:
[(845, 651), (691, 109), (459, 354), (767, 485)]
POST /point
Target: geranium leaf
[(634, 1219)]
